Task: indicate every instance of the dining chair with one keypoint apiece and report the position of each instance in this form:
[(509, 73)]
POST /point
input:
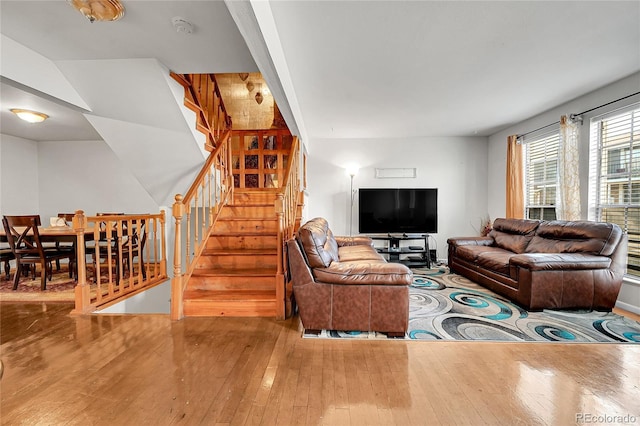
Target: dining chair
[(134, 245), (105, 249), (68, 218), (24, 240), (6, 256), (134, 239)]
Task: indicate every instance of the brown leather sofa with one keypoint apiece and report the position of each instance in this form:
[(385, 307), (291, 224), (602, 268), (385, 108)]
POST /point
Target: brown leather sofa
[(546, 264), (343, 283)]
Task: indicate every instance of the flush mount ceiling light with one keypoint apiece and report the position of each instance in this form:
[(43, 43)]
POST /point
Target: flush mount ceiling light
[(29, 116), (99, 10)]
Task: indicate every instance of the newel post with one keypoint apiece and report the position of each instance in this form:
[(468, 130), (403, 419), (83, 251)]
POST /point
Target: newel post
[(82, 289), (280, 293), (177, 311)]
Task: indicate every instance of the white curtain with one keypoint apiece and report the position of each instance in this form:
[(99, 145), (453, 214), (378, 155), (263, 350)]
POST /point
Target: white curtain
[(568, 194)]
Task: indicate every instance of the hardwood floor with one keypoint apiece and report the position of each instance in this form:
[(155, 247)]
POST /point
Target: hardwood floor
[(145, 369)]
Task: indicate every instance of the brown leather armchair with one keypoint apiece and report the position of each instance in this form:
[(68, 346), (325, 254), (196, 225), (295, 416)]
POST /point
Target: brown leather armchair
[(343, 283)]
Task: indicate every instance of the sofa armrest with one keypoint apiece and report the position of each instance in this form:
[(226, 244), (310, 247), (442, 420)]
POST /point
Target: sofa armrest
[(364, 273), (560, 261), (470, 241), (358, 240)]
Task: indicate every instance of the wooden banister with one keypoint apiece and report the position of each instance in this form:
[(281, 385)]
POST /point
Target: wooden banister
[(195, 214), (202, 95), (131, 242), (286, 205)]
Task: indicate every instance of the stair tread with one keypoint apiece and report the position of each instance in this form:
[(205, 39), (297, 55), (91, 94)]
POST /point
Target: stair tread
[(248, 218), (239, 252), (233, 272), (242, 233), (236, 295)]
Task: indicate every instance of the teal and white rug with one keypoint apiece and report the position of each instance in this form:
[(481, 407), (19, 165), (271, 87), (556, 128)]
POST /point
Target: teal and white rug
[(446, 306)]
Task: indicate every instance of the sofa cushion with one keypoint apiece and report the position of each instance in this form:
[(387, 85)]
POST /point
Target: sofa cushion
[(471, 253), (575, 237), (320, 247), (513, 234), (356, 253), (496, 261), (365, 273)]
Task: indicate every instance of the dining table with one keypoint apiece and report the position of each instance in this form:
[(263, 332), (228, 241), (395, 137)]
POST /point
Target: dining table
[(50, 234), (57, 234)]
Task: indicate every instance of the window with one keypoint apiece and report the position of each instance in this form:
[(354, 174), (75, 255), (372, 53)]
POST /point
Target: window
[(615, 153), (541, 176)]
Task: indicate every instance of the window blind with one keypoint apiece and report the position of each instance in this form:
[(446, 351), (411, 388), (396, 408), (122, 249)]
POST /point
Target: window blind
[(541, 176), (615, 145)]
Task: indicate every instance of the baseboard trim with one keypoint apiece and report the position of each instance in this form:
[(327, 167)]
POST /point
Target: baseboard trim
[(628, 307)]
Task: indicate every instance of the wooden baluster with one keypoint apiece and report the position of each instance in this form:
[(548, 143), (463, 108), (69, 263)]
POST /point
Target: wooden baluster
[(280, 293), (204, 211), (163, 246), (187, 256), (196, 228), (211, 194), (82, 289), (177, 311)]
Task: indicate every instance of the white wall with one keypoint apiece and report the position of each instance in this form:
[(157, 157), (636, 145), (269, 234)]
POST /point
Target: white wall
[(87, 175), (629, 297), (19, 191), (456, 166)]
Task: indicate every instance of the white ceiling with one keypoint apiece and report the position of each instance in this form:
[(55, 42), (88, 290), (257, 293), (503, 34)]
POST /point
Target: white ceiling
[(378, 69), (431, 68)]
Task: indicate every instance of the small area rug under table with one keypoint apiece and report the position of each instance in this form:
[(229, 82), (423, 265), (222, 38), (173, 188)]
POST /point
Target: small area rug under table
[(446, 306)]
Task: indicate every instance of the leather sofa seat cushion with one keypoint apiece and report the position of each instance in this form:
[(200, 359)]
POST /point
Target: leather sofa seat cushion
[(471, 253), (496, 261), (358, 253), (365, 273), (320, 246), (575, 237), (513, 234)]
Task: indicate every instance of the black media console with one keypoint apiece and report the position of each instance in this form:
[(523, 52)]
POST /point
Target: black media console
[(397, 250)]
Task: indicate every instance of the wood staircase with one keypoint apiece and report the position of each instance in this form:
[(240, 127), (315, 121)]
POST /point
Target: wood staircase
[(236, 273)]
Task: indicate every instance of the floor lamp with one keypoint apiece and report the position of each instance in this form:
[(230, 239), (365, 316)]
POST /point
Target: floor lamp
[(352, 171)]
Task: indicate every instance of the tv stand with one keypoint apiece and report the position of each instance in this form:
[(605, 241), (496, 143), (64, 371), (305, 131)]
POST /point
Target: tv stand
[(410, 255)]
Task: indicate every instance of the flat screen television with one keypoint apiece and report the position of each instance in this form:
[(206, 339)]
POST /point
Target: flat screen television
[(398, 210)]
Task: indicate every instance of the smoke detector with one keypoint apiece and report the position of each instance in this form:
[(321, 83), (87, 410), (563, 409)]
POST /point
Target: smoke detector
[(182, 25)]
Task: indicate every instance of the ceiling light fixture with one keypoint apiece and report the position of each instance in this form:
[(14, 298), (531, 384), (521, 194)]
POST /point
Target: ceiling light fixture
[(99, 10), (259, 98), (29, 116), (243, 76)]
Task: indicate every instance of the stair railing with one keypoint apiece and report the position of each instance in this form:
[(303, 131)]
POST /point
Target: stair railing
[(195, 214), (202, 96), (128, 255), (286, 205)]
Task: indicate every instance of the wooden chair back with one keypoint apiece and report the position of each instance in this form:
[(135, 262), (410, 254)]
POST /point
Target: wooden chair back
[(23, 236)]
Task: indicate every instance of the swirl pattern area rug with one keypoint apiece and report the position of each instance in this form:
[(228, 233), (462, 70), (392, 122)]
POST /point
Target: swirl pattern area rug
[(445, 306)]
